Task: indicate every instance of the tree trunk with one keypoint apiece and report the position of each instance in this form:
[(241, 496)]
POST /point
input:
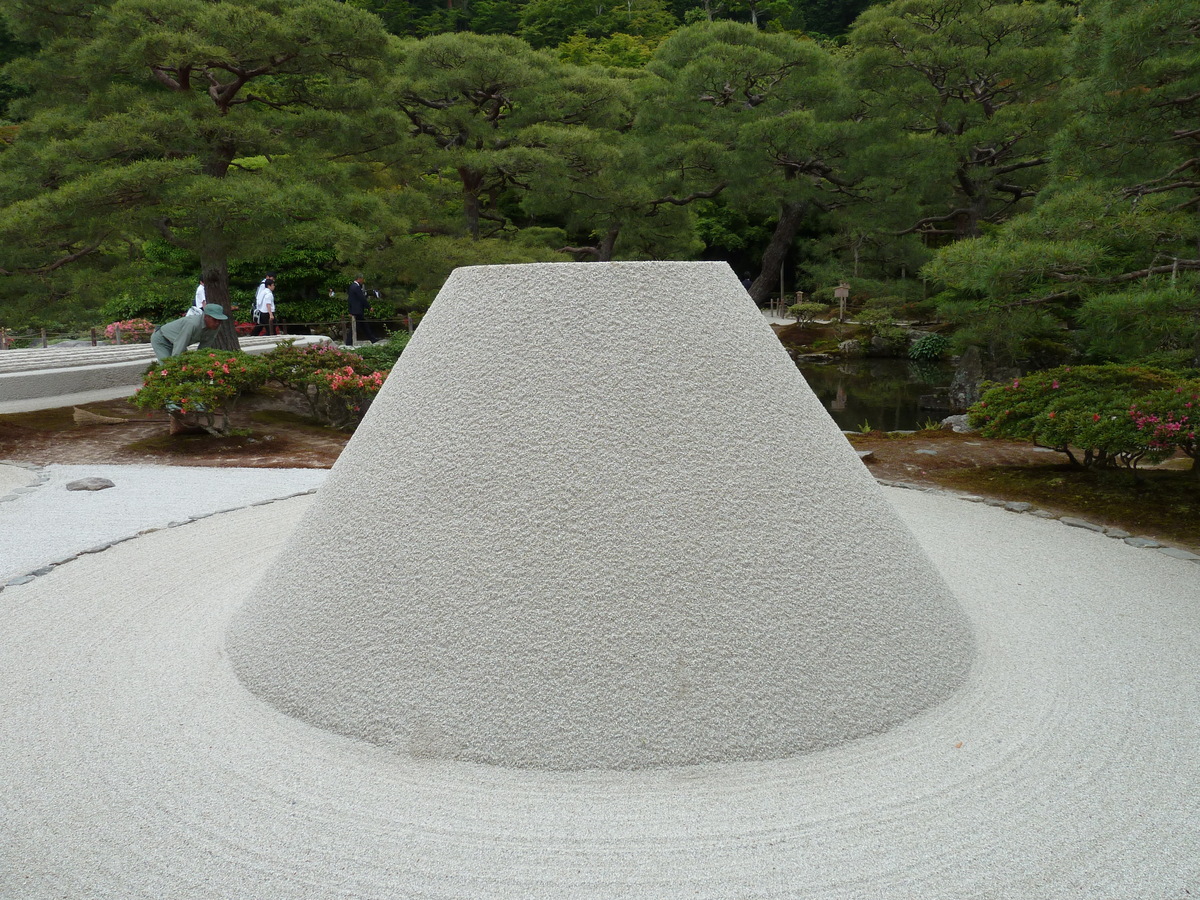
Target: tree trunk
[(1196, 340), (790, 216), (472, 183), (215, 272), (608, 244)]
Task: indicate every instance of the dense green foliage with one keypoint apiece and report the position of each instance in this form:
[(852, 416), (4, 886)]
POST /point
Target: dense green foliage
[(220, 128), (929, 347), (1028, 171), (382, 356), (1112, 247)]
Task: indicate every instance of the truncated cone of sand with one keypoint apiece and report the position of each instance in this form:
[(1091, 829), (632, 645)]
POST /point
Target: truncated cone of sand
[(596, 519)]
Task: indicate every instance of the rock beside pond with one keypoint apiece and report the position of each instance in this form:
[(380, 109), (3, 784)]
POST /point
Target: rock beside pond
[(964, 389), (957, 424)]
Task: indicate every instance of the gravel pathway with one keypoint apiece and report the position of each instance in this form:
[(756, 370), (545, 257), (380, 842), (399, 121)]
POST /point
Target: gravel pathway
[(42, 523)]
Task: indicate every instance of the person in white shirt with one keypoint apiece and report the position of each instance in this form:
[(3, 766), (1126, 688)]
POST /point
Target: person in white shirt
[(264, 308), (197, 307)]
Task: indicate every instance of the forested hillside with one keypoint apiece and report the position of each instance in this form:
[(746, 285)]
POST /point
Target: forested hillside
[(1028, 172)]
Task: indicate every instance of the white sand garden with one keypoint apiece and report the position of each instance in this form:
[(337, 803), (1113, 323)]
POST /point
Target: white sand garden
[(557, 626)]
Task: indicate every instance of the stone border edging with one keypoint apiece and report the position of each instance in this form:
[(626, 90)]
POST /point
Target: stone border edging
[(100, 548), (17, 493), (1019, 506)]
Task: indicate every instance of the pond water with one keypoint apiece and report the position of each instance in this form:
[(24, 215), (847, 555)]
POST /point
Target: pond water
[(882, 393)]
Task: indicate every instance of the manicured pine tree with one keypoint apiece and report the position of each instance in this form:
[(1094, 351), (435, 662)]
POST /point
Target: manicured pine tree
[(759, 119), (1113, 247), (224, 128)]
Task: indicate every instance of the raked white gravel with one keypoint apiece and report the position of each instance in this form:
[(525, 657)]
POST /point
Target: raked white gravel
[(136, 765), (50, 523)]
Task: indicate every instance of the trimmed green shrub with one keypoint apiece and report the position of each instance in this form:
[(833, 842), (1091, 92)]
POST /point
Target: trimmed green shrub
[(204, 384), (337, 384), (156, 308), (883, 334), (384, 356), (805, 313), (1080, 411), (929, 347)]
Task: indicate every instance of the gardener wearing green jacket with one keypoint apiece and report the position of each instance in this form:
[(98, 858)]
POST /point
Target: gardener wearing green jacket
[(174, 337)]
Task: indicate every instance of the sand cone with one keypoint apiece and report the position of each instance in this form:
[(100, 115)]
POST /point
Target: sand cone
[(596, 519)]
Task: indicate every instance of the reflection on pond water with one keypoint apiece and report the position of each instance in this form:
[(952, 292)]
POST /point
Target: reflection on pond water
[(882, 393)]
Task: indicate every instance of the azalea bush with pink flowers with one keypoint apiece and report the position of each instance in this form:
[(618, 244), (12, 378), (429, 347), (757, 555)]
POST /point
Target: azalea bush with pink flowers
[(338, 385), (1169, 420), (133, 331), (345, 395), (201, 386), (1085, 412)]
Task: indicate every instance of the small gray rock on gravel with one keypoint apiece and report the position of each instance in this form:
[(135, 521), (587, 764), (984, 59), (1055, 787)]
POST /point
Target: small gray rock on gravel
[(89, 484)]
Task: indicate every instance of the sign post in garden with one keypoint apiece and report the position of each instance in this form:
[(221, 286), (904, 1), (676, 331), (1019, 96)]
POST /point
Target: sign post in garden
[(842, 292)]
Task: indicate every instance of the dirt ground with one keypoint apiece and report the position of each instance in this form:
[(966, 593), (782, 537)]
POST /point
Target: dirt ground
[(280, 435)]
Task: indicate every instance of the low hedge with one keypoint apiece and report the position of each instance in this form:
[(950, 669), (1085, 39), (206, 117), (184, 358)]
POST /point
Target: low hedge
[(1096, 415)]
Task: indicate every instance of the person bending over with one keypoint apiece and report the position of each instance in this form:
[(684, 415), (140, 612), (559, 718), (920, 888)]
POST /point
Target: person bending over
[(175, 337)]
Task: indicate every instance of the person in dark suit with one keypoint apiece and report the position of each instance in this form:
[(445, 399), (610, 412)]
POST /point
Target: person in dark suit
[(357, 296)]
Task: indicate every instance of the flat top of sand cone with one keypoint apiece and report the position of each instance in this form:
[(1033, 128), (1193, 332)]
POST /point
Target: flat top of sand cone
[(596, 519)]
